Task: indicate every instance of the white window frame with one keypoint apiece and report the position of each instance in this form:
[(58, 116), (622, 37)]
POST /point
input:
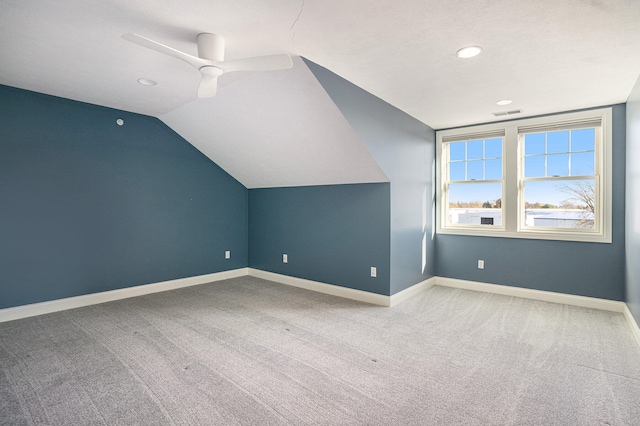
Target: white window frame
[(465, 138), (513, 178)]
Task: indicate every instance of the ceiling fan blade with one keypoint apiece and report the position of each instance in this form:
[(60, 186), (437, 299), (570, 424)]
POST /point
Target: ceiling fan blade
[(258, 63), (159, 47), (208, 86)]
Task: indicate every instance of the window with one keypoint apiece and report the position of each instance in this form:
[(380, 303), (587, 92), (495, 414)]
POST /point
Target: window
[(559, 178), (545, 178), (474, 185)]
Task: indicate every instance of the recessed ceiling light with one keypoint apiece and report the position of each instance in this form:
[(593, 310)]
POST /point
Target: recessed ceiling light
[(469, 52), (146, 82), (504, 102)]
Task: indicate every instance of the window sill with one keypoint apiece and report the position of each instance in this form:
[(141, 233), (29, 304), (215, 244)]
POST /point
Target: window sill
[(528, 234)]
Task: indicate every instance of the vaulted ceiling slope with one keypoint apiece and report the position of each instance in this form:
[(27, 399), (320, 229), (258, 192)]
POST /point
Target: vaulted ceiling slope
[(277, 129)]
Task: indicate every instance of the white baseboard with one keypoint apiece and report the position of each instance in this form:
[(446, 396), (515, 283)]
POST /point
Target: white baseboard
[(334, 290), (9, 314), (632, 324), (547, 296), (412, 291), (526, 293), (25, 311), (347, 293)]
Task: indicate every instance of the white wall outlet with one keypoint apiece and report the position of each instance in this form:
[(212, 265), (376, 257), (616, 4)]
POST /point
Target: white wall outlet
[(285, 258), (480, 264), (227, 254), (374, 272)]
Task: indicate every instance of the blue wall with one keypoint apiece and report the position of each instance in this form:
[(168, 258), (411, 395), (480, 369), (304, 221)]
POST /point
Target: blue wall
[(88, 206), (633, 203), (404, 148), (587, 269), (331, 234)]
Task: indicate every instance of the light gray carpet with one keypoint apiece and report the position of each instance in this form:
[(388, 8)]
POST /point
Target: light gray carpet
[(252, 352)]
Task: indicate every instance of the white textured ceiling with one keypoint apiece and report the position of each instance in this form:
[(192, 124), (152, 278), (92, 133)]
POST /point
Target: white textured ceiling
[(546, 55)]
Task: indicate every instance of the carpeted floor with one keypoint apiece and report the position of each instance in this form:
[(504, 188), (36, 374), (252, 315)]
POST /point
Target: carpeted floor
[(252, 352)]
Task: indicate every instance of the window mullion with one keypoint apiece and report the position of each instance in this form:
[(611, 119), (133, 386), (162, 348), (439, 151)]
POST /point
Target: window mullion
[(546, 154), (569, 153), (510, 173)]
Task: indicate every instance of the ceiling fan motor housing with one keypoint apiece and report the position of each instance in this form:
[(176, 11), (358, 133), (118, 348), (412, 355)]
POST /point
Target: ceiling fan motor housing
[(210, 46)]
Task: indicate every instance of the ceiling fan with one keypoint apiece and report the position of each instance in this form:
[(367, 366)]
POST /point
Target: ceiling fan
[(210, 60)]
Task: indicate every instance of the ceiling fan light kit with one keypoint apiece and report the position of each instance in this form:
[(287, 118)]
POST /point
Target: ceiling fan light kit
[(211, 70), (210, 60)]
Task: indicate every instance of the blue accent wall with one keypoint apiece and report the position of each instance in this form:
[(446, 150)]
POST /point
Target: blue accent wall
[(332, 234), (586, 269), (632, 272), (89, 206), (404, 148)]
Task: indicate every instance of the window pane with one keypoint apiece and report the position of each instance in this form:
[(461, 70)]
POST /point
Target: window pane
[(558, 165), (582, 164), (557, 142), (474, 170), (534, 143), (456, 171), (583, 140), (456, 151), (534, 166), (493, 148), (560, 204), (493, 169), (474, 150), (475, 204)]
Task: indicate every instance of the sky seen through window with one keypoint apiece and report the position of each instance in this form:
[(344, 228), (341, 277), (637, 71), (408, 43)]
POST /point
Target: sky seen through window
[(567, 153)]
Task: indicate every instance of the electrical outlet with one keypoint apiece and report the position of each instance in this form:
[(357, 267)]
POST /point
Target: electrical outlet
[(480, 264), (374, 272), (227, 254), (285, 258)]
